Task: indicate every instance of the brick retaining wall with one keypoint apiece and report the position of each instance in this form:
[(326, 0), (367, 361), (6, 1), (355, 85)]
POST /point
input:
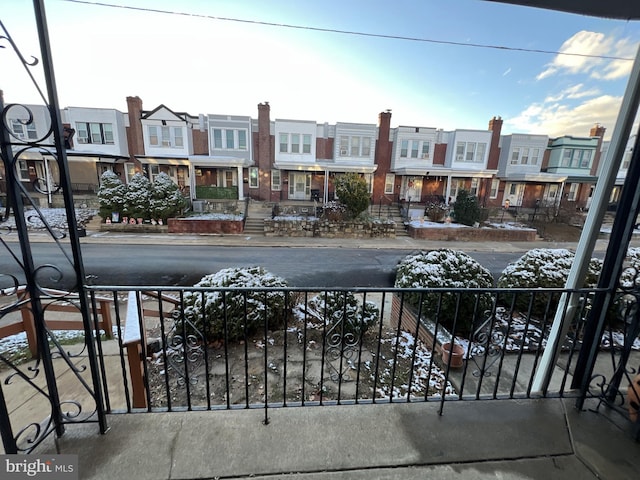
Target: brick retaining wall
[(326, 229), (185, 225)]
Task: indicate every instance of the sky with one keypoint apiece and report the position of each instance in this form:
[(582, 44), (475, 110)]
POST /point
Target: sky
[(201, 59)]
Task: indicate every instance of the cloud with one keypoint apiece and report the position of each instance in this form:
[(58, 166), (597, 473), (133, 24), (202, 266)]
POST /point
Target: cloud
[(595, 44), (557, 119)]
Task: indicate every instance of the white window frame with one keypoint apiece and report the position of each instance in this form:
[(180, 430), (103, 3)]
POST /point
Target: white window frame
[(223, 137), (495, 187), (95, 133), (276, 180), (306, 143), (515, 156), (415, 149), (389, 183), (295, 143), (404, 149), (426, 150), (535, 156), (254, 177), (573, 192), (475, 184), (283, 141)]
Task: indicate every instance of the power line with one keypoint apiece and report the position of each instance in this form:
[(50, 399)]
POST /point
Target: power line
[(345, 32)]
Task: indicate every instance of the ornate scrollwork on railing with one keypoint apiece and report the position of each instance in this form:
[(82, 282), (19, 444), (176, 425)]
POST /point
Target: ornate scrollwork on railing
[(611, 387), (486, 348), (184, 350), (342, 352)]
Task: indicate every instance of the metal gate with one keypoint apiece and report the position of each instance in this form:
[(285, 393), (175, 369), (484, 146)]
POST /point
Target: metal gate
[(28, 292)]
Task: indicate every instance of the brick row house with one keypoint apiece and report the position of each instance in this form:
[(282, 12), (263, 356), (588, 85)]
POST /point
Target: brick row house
[(218, 156)]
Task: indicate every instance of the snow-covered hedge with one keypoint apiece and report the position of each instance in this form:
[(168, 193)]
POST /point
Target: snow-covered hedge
[(207, 311), (343, 314), (543, 268), (446, 269)]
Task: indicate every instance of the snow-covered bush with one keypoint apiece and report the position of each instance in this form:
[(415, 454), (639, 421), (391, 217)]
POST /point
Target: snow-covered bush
[(446, 269), (543, 268), (138, 196), (166, 199), (207, 310), (111, 194), (333, 211), (436, 212), (343, 313)]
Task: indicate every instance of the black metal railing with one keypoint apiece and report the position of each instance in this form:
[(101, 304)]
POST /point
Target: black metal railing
[(264, 348)]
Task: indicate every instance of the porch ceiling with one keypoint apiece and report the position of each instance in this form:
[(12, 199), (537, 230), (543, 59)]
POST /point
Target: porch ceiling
[(444, 172), (163, 160), (204, 161), (316, 167), (535, 177)]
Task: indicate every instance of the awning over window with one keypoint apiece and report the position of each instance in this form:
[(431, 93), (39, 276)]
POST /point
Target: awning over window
[(536, 177), (219, 162), (318, 167), (163, 160)]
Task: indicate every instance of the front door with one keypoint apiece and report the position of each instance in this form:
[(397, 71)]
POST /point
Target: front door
[(413, 190), (300, 186), (514, 193)]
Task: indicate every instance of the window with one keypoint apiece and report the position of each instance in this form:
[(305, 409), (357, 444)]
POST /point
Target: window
[(404, 149), (525, 156), (284, 142), (97, 133), (460, 146), (495, 184), (23, 170), (425, 149), (217, 138), (573, 192), (535, 155), (154, 171), (178, 140), (295, 143), (471, 150), (456, 185), (276, 181), (474, 186), (515, 156), (230, 143), (586, 159), (228, 139), (24, 132), (306, 143), (253, 177), (366, 146), (389, 182), (566, 158), (355, 146), (414, 149), (166, 136), (482, 147)]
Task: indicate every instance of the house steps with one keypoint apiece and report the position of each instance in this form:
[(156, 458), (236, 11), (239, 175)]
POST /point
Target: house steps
[(391, 212), (256, 213)]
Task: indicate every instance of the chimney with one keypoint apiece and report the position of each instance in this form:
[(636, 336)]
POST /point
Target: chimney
[(134, 137), (495, 125), (382, 154), (597, 131), (264, 152)]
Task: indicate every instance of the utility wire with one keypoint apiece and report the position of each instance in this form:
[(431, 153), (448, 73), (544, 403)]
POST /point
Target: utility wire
[(345, 32)]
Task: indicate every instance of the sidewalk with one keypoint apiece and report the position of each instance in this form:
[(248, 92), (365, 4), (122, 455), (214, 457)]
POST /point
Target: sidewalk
[(505, 439), (404, 243)]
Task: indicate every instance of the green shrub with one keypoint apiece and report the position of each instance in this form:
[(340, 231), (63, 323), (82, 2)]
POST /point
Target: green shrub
[(343, 314), (446, 269), (466, 209), (209, 319), (138, 197), (353, 193), (166, 199), (543, 268)]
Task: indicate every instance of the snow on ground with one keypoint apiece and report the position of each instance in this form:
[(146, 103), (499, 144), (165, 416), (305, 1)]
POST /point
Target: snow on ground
[(55, 217)]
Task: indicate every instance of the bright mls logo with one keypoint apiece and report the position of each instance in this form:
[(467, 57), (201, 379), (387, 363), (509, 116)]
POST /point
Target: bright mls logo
[(52, 467)]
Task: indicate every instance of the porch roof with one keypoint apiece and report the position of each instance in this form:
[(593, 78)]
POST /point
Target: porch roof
[(540, 177), (163, 160), (217, 161), (444, 172), (319, 167)]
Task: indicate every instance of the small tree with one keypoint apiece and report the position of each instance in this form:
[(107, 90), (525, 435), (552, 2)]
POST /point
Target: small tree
[(111, 194), (166, 199), (352, 191), (138, 196), (344, 314), (466, 209)]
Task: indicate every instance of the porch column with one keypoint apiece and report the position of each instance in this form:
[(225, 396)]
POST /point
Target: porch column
[(240, 183), (325, 196), (192, 181), (447, 190)]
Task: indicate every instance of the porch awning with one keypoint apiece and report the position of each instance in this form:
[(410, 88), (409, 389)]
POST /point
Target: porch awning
[(535, 177), (582, 179), (319, 167), (163, 160), (95, 156), (206, 161), (444, 172)]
